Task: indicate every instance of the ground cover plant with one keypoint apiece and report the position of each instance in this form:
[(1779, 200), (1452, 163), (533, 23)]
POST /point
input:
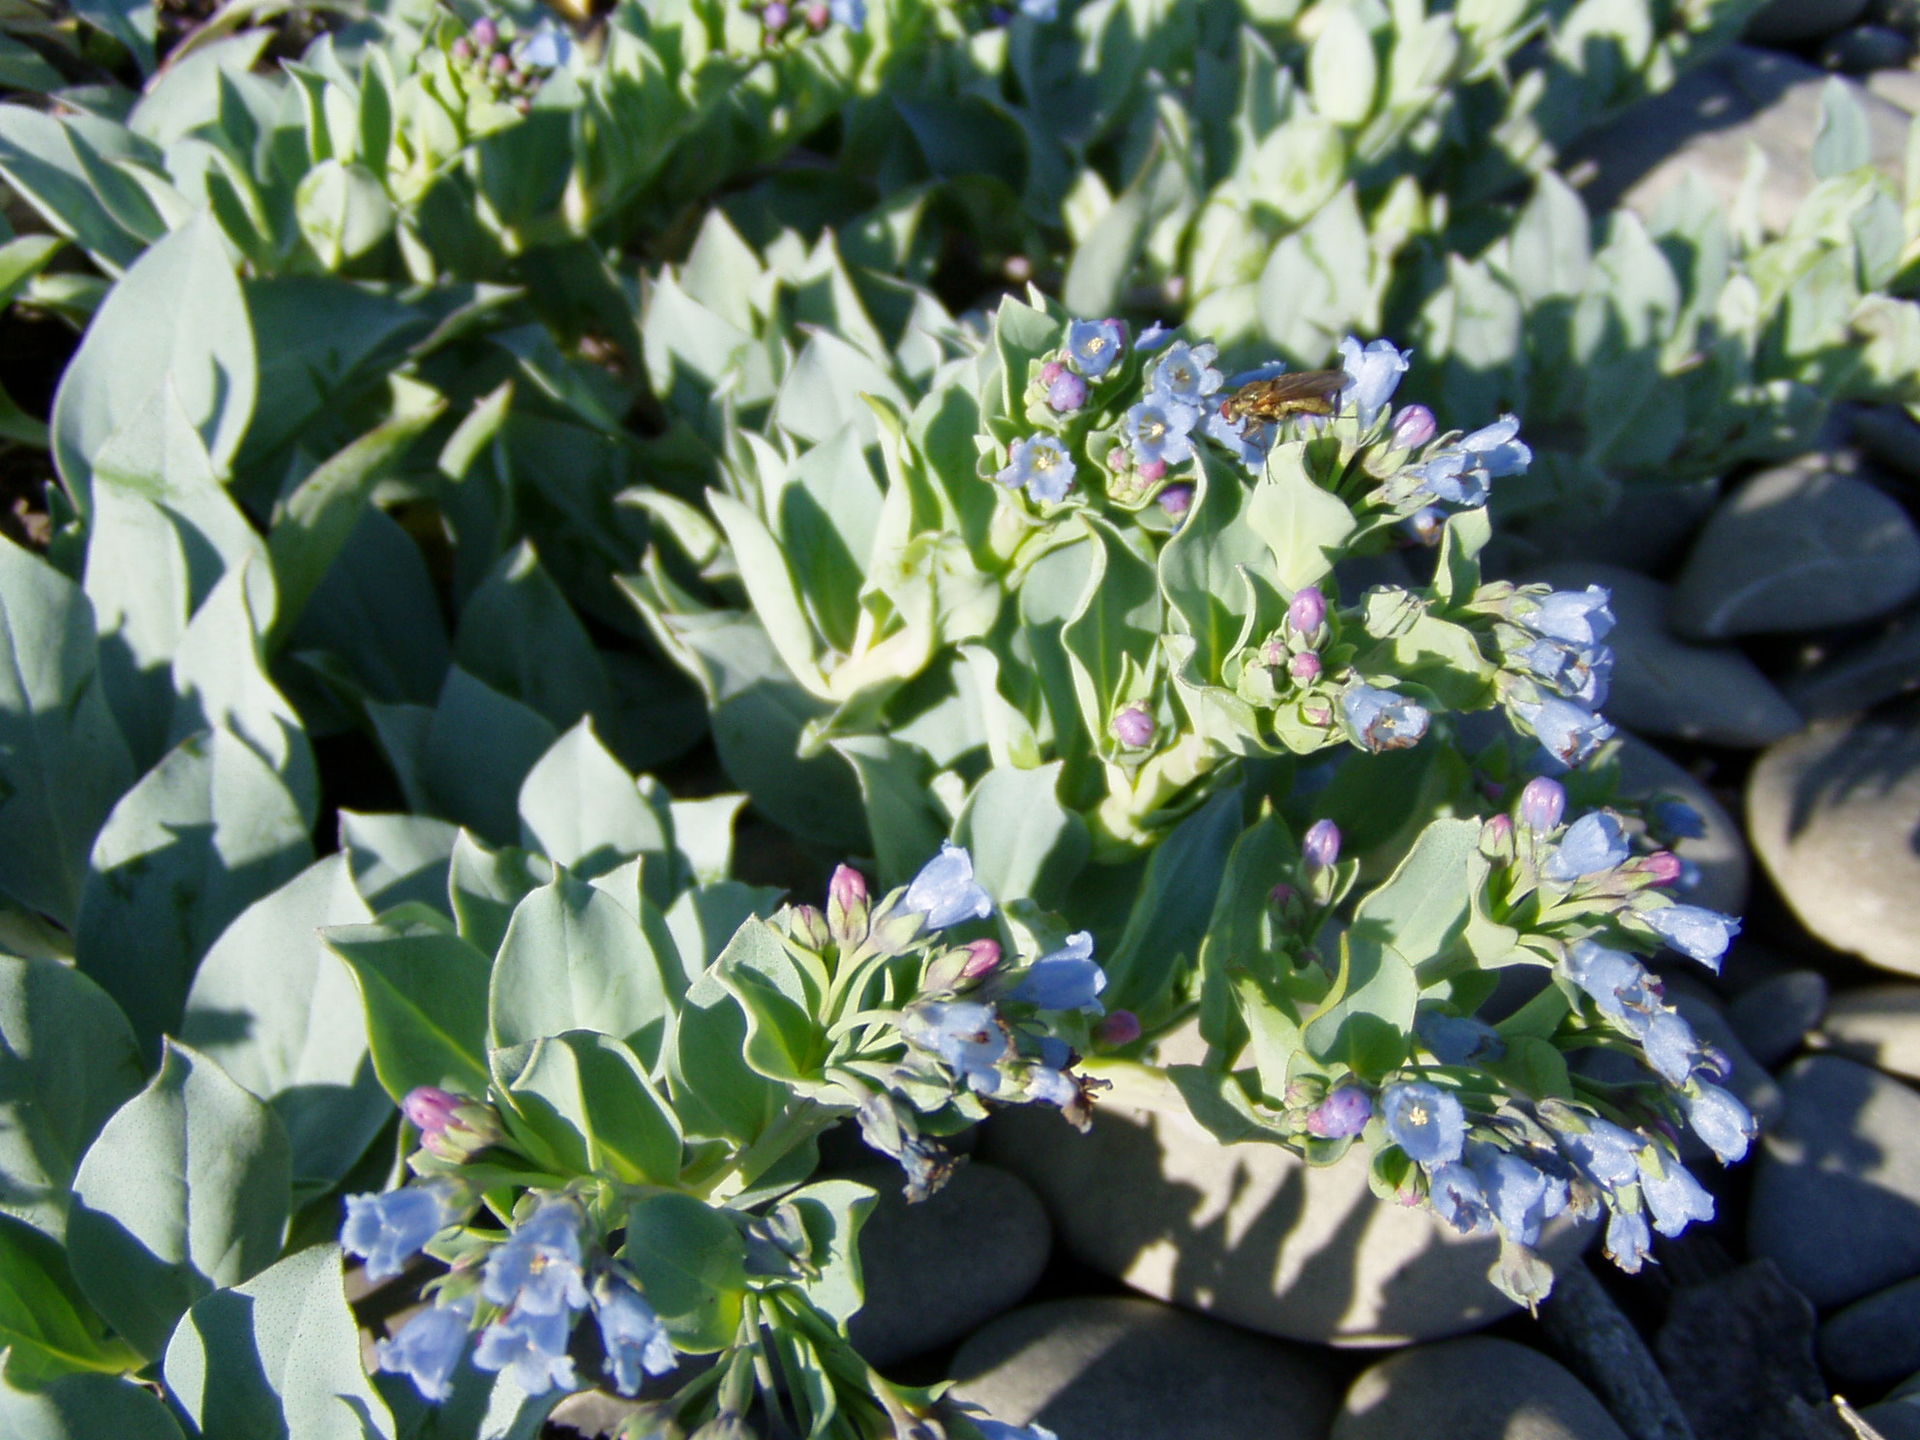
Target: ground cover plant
[(599, 605)]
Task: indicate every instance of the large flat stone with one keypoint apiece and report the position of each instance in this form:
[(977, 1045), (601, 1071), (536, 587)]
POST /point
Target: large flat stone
[(1472, 1389)]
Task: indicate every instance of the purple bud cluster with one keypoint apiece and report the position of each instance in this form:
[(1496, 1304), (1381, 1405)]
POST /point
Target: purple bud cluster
[(507, 69)]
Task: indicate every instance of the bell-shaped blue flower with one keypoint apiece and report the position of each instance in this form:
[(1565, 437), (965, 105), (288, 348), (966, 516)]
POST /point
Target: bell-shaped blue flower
[(1458, 1039), (531, 1349), (1568, 731), (1628, 1245), (1720, 1120), (945, 891), (1606, 1153), (428, 1348), (1067, 979), (1521, 1195), (1675, 1197), (1000, 1430), (1593, 844), (1373, 374), (537, 1270), (1456, 1198), (1579, 617), (1693, 930), (1380, 720), (1160, 431), (547, 47), (630, 1333), (1185, 374), (1096, 345), (1424, 1121), (850, 13), (1041, 465), (388, 1230), (965, 1034)]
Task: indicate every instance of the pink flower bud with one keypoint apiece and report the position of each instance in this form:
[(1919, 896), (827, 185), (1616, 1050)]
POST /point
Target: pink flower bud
[(500, 65), (1153, 470), (1542, 803), (1307, 611), (463, 50), (1321, 846), (485, 34), (1413, 427), (1497, 833), (1051, 371), (1133, 727), (983, 958), (1122, 1027), (1663, 867), (430, 1109), (1304, 667), (848, 887), (1176, 500)]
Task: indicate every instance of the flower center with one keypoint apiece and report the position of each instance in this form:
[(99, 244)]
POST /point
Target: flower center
[(1416, 1114)]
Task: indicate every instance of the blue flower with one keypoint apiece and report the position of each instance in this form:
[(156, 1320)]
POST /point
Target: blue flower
[(850, 13), (1605, 1153), (537, 1270), (1344, 1112), (1456, 1198), (1425, 1121), (1674, 1196), (630, 1333), (1592, 844), (1616, 981), (1247, 439), (1185, 374), (1680, 820), (1571, 733), (1720, 1120), (1152, 338), (388, 1230), (531, 1348), (428, 1348), (1521, 1195), (548, 47), (1042, 465), (1160, 430), (1628, 1241), (1000, 1430), (1579, 617), (965, 1034), (1458, 1039), (1068, 979), (1462, 473), (1373, 374), (1693, 930), (1381, 720), (945, 891), (1583, 673), (1670, 1045), (1050, 1085), (1041, 10), (1096, 345)]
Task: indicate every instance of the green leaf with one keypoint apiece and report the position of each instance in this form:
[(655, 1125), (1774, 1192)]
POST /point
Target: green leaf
[(476, 753), (1373, 999), (205, 833), (277, 1359), (185, 1190), (691, 1262), (63, 762), (85, 1407), (905, 822), (1218, 1101), (1114, 629), (783, 1040), (1025, 843), (1237, 931), (1176, 897), (425, 996), (574, 959), (1423, 905), (580, 808), (313, 526), (587, 1098), (771, 590), (38, 160), (520, 636), (47, 1328), (1342, 71), (349, 626), (485, 886), (67, 1062), (175, 321), (1551, 249), (832, 1212), (715, 1092), (343, 212), (1842, 142), (294, 1032), (399, 858), (1305, 527)]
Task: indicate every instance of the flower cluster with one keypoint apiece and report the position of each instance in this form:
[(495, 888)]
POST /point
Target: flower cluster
[(1555, 666), (523, 1293), (491, 61), (780, 18)]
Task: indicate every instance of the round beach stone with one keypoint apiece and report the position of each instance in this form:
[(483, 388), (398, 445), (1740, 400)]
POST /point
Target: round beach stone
[(1876, 1340), (1787, 22), (938, 1269), (1836, 1193), (1878, 1025), (1472, 1389), (1864, 49), (1831, 812), (1859, 676), (1116, 1369), (1774, 1016), (1800, 547), (1664, 686), (1249, 1233), (1720, 854), (1705, 124)]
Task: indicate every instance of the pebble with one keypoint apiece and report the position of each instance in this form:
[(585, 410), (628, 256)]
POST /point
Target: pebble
[(1773, 1017), (1878, 1025), (1720, 854), (1900, 88), (1860, 676), (1117, 1369), (1251, 1234), (1897, 1417), (1788, 22), (1705, 124), (1831, 814), (1647, 529), (1804, 546), (1666, 687), (1473, 1389), (1886, 433), (1836, 1192), (938, 1270), (1876, 1340), (1866, 48)]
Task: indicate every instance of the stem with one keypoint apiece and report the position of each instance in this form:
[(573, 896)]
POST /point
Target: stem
[(790, 1130), (1135, 1084)]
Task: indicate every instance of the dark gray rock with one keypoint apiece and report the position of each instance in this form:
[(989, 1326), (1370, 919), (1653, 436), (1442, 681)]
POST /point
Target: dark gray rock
[(1886, 434), (1878, 1025), (1249, 1233), (1897, 1417), (1804, 546), (1721, 854), (1473, 1389), (1647, 529), (1831, 812), (1787, 22), (1774, 1016), (1663, 686), (1857, 677), (1704, 125), (1866, 48), (1112, 1369), (1874, 1341), (937, 1270), (1836, 1193)]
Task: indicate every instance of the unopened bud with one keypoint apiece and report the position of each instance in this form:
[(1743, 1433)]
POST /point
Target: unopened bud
[(1662, 867), (817, 17), (1321, 845), (1176, 500), (809, 926), (848, 887), (1120, 1027), (1304, 667), (1542, 804), (1120, 460), (1133, 727), (1307, 611), (485, 34), (1066, 392), (430, 1108), (500, 65), (1051, 371), (1282, 894), (983, 958), (1413, 427), (462, 50), (776, 15), (1320, 715), (1151, 470), (848, 910), (1345, 1112), (451, 1126), (1496, 837)]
